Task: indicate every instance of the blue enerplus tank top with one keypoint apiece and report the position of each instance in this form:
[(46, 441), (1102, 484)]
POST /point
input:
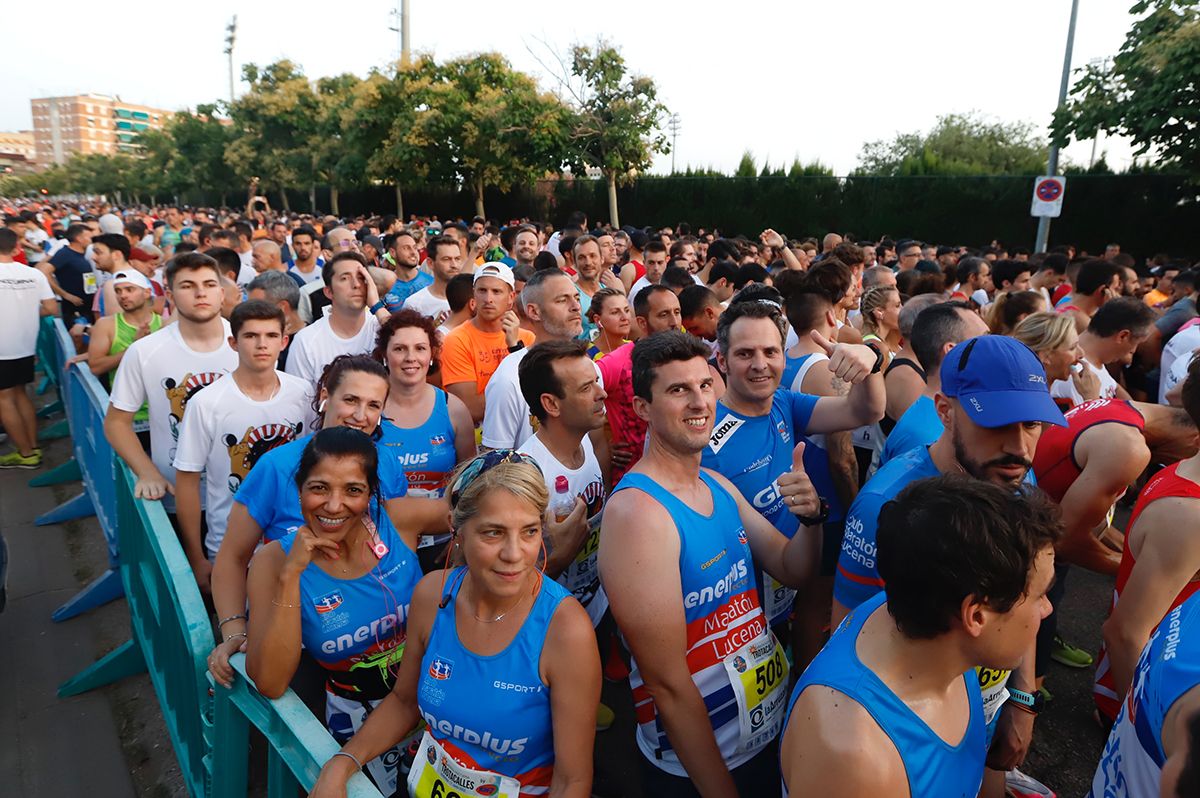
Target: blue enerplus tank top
[(935, 768), (721, 606), (424, 453), (356, 628), (492, 712)]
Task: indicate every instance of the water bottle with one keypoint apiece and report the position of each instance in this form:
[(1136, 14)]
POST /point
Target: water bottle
[(563, 502)]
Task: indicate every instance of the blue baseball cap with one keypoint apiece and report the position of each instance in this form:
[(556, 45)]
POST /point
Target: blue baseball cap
[(999, 381)]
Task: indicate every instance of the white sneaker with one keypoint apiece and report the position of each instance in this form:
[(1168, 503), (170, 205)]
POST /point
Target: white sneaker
[(1019, 785)]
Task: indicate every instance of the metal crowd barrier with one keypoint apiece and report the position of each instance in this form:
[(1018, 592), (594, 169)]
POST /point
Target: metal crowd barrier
[(85, 402), (171, 629)]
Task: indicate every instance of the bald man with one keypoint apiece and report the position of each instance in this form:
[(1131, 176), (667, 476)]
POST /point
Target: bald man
[(830, 241), (266, 256)]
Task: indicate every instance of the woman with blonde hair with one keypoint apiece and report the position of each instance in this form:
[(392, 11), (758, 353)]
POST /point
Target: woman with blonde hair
[(1053, 338), (500, 663), (880, 307)]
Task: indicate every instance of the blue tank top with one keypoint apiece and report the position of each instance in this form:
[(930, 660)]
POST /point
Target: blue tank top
[(492, 713), (425, 453), (356, 628), (935, 768), (722, 610), (269, 491)]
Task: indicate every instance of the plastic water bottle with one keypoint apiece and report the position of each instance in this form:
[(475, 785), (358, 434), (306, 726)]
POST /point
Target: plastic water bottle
[(563, 502)]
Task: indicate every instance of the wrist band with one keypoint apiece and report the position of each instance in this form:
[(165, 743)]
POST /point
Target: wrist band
[(378, 306), (349, 756), (235, 634), (221, 623), (277, 604)]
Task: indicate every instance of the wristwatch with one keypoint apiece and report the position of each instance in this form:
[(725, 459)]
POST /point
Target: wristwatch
[(517, 347), (874, 347), (821, 517), (378, 306), (1030, 702)]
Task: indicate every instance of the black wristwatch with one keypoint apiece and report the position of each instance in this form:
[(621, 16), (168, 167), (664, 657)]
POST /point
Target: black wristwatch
[(821, 517), (517, 347), (1030, 702), (878, 356)]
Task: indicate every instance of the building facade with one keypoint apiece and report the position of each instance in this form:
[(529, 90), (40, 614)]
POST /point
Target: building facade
[(89, 124), (17, 152)]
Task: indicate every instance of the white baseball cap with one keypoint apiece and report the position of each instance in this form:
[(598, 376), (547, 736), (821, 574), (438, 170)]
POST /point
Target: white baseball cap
[(497, 270), (131, 277)]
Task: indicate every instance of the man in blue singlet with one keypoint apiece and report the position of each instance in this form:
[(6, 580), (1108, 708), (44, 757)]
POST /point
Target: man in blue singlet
[(992, 403), (967, 565), (757, 423), (677, 550)]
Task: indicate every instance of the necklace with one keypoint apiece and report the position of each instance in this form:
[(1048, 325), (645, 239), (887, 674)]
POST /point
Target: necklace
[(500, 617)]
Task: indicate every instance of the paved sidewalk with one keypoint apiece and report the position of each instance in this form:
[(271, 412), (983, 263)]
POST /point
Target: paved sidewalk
[(52, 747)]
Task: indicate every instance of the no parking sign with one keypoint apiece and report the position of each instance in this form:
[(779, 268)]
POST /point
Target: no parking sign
[(1048, 196)]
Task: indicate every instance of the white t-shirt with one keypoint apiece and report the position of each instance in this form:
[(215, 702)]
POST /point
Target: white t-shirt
[(1065, 389), (425, 303), (1181, 343), (246, 273), (309, 277), (582, 576), (22, 289), (226, 432), (163, 370), (1173, 376), (37, 239), (507, 422), (637, 287), (317, 344)]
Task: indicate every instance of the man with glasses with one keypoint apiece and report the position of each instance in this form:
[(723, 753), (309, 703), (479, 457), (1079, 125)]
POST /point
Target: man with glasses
[(910, 255)]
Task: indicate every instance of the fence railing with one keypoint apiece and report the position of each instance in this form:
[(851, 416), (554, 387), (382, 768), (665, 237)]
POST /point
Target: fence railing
[(171, 631), (85, 402)]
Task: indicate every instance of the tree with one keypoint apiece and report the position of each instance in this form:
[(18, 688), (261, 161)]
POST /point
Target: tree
[(199, 143), (274, 125), (617, 118), (746, 167), (490, 125), (959, 144), (334, 163), (1148, 91)]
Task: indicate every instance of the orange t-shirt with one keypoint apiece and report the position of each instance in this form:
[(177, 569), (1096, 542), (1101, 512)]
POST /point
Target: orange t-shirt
[(472, 355)]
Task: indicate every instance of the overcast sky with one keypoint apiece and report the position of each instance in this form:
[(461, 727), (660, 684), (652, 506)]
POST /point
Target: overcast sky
[(813, 80)]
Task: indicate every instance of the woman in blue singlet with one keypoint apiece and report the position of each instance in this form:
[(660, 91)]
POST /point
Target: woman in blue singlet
[(430, 431), (339, 586), (501, 663), (351, 393)]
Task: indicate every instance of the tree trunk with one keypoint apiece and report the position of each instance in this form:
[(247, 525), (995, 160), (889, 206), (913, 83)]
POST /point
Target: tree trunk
[(479, 196), (312, 198), (284, 200), (399, 203), (612, 199), (333, 201), (223, 197)]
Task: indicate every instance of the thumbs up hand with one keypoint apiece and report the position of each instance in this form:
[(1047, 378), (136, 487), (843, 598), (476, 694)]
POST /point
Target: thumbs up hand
[(797, 489), (851, 363)]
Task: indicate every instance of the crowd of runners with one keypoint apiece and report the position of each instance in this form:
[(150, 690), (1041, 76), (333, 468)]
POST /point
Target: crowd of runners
[(813, 501)]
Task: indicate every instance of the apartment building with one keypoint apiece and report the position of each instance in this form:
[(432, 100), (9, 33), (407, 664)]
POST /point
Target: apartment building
[(87, 124)]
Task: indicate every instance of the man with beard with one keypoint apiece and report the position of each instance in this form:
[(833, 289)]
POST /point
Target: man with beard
[(404, 257), (993, 401)]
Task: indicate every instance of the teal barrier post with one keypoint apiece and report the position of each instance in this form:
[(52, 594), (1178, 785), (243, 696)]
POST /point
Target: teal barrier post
[(172, 634), (298, 743), (86, 402)]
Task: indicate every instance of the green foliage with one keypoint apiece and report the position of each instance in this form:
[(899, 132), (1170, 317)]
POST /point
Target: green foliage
[(194, 148), (1148, 92), (959, 144), (746, 167), (617, 115)]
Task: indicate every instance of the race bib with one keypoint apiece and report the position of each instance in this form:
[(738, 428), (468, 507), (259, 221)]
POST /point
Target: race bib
[(777, 600), (89, 283), (992, 684), (759, 674), (435, 774), (582, 577)]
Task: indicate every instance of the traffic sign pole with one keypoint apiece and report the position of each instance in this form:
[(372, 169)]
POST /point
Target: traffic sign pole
[(1043, 230)]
